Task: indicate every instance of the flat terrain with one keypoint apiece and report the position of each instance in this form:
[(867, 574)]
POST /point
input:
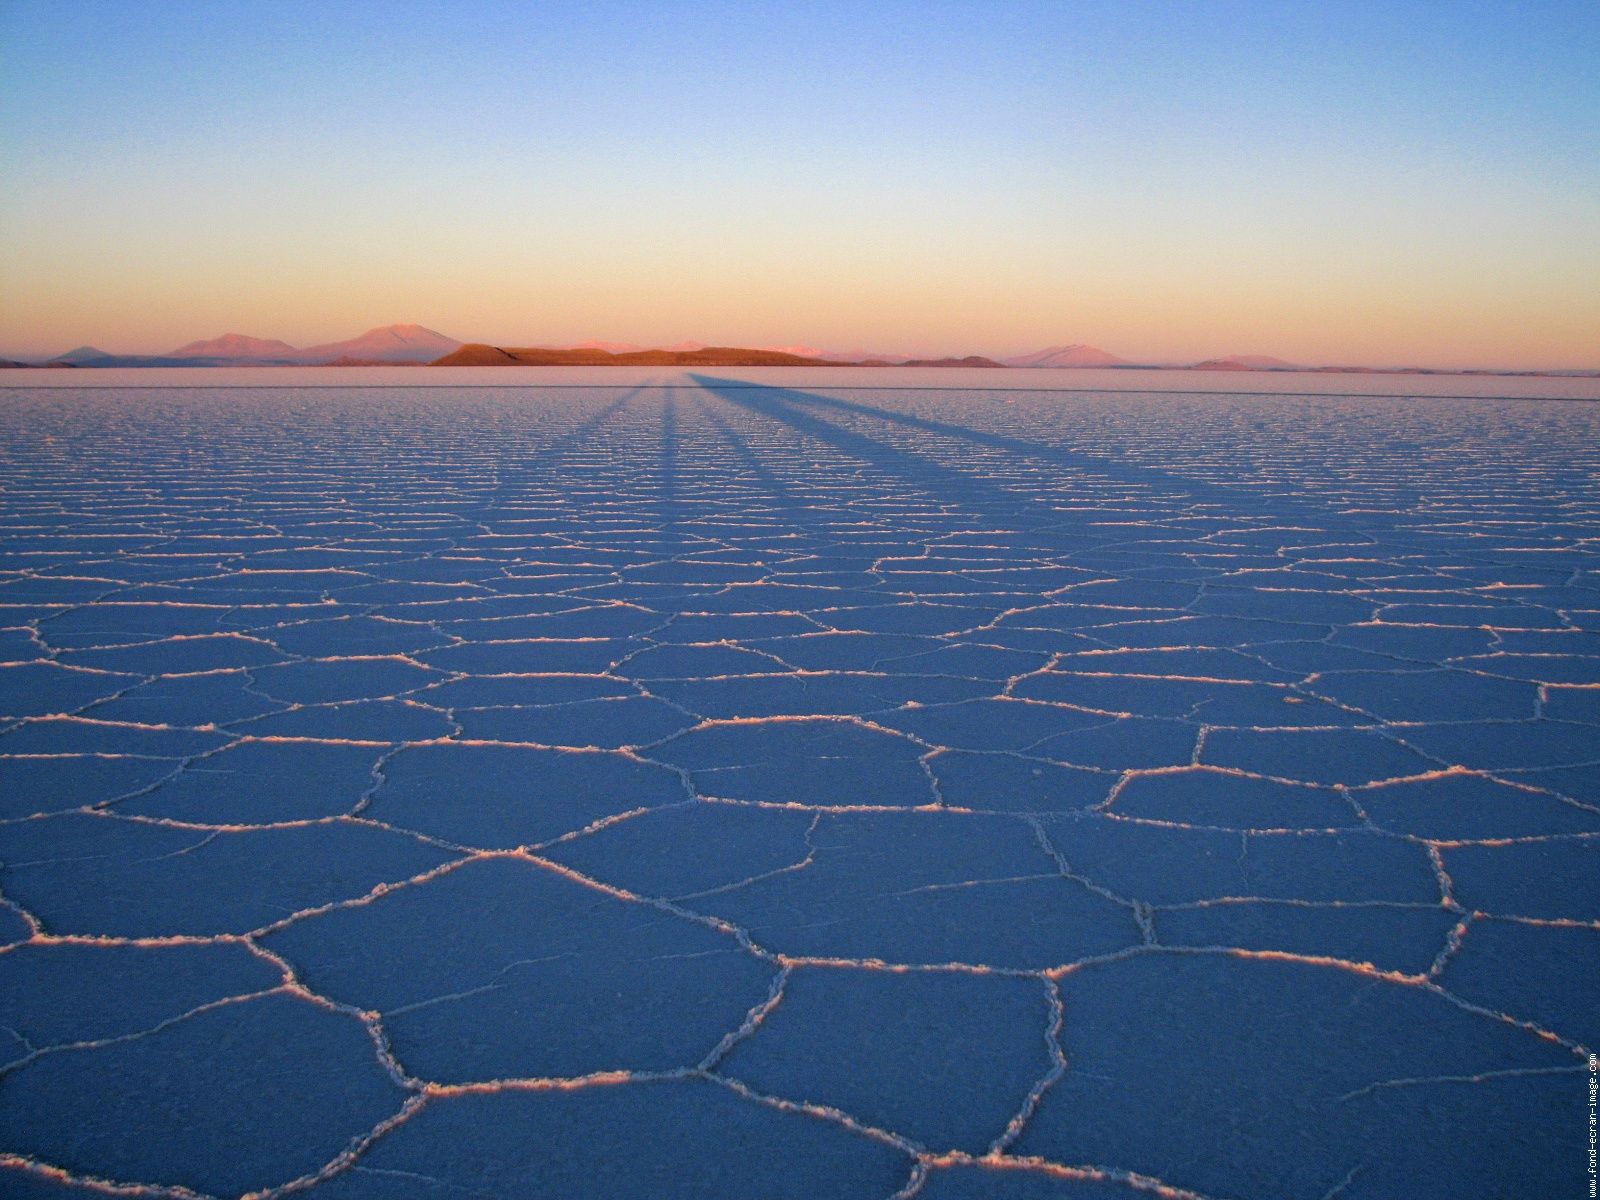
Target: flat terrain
[(763, 791)]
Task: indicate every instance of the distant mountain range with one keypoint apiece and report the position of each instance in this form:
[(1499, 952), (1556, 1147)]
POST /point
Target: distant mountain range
[(690, 354), (387, 345), (400, 345), (412, 345), (479, 354)]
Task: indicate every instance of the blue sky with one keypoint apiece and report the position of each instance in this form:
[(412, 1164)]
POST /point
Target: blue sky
[(1354, 182)]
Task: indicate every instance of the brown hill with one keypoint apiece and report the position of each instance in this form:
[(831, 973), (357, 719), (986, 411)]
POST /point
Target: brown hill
[(478, 355)]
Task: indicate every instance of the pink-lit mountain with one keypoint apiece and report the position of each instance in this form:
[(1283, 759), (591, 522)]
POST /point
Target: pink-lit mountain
[(1067, 356), (385, 344), (235, 345)]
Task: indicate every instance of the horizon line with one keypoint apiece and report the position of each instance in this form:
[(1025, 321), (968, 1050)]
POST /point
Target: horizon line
[(1265, 363)]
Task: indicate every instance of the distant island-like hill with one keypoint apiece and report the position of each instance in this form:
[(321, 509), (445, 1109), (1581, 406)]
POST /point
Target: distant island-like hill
[(477, 354)]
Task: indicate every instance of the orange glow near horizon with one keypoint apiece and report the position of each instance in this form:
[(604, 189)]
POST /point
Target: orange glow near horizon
[(1360, 186), (894, 310)]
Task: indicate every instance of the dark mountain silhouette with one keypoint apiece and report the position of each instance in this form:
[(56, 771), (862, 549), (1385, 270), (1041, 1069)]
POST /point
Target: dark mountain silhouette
[(971, 360), (81, 354), (1245, 362)]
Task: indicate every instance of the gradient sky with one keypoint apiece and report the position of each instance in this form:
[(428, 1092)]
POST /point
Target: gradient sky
[(1359, 182)]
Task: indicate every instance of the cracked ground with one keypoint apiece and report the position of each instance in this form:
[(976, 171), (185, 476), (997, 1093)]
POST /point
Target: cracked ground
[(746, 791)]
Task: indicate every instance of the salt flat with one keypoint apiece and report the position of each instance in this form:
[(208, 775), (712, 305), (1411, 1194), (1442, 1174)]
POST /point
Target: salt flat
[(755, 789)]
